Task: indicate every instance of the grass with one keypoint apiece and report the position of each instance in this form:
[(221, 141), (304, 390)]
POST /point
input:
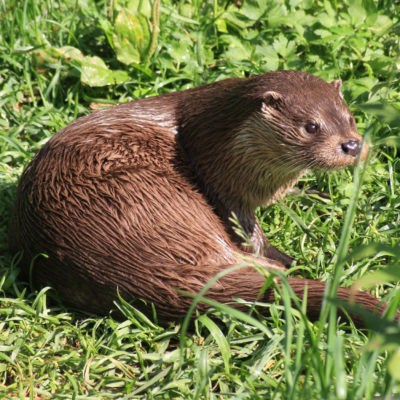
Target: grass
[(49, 351)]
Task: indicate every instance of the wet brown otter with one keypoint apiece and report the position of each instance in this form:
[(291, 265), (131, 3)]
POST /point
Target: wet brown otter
[(140, 196)]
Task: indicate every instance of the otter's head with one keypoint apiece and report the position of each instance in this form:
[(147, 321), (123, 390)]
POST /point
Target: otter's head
[(308, 120), (301, 123)]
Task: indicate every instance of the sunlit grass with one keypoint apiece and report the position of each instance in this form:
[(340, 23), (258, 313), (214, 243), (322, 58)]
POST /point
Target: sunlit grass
[(50, 351)]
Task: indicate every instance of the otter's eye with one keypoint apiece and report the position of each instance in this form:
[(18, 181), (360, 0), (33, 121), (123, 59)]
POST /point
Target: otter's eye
[(311, 127)]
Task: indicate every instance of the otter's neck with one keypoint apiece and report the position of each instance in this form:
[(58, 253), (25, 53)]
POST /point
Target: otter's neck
[(228, 155)]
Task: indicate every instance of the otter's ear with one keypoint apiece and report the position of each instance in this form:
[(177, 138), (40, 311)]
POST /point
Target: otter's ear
[(272, 99), (337, 83)]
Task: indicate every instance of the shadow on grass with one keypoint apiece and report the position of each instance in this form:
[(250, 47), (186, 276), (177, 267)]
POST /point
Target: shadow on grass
[(10, 282), (7, 196)]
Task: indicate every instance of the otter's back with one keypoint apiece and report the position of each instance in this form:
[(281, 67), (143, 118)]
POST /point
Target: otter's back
[(114, 205)]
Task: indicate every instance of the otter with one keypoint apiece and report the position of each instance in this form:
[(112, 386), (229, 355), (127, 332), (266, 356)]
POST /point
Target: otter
[(139, 197)]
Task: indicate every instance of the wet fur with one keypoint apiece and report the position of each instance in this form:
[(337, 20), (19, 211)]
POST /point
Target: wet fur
[(140, 196)]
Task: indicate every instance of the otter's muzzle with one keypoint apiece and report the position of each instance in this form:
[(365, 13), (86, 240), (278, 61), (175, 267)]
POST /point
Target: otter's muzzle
[(352, 147)]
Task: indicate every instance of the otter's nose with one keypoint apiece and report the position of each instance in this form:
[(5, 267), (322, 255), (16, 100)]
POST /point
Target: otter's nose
[(352, 147)]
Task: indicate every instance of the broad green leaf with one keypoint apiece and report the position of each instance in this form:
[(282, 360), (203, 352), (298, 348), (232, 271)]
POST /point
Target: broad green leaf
[(357, 11), (120, 76), (127, 53), (108, 29), (131, 37), (277, 16), (70, 53), (140, 6), (87, 7), (94, 72), (383, 24), (382, 64), (307, 4), (188, 10), (371, 10), (221, 25), (44, 57), (179, 52), (294, 3), (253, 9), (327, 20), (324, 33), (283, 46), (238, 50), (238, 21), (269, 57), (361, 86)]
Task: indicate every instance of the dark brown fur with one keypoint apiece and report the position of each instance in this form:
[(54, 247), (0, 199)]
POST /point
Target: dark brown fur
[(139, 196)]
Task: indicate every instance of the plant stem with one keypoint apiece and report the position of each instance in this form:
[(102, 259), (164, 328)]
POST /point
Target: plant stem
[(155, 29), (110, 10)]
